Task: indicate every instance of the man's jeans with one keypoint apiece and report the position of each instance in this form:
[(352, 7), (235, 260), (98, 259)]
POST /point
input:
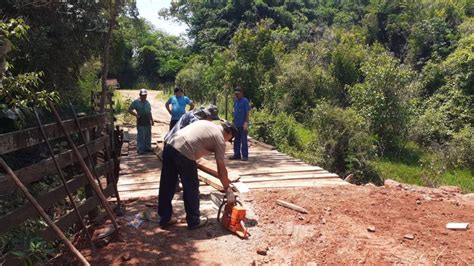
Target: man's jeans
[(241, 144), (174, 164), (143, 139)]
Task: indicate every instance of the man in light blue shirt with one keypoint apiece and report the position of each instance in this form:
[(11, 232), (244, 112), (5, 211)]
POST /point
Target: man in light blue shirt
[(178, 104), (209, 113)]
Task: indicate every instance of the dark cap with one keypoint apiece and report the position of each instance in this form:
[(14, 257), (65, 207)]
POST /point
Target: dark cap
[(212, 112), (230, 128)]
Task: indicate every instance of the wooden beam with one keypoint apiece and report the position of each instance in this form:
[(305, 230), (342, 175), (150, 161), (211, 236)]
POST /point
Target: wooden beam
[(293, 178), (303, 184), (261, 144), (37, 171), (18, 140), (210, 168), (291, 206), (310, 169), (210, 180), (69, 219), (47, 200)]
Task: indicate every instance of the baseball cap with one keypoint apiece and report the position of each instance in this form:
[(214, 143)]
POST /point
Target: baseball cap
[(237, 89), (143, 92), (212, 112), (230, 128)]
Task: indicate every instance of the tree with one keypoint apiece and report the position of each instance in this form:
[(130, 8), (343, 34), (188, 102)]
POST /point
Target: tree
[(383, 98), (18, 92)]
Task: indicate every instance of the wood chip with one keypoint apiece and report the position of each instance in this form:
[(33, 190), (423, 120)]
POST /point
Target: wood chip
[(409, 236)]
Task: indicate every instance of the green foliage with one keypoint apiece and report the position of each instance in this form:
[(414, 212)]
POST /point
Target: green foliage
[(383, 98), (281, 131), (88, 81), (344, 141), (18, 92), (144, 54)]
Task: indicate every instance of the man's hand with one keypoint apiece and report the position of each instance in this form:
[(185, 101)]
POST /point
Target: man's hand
[(246, 126), (230, 195)]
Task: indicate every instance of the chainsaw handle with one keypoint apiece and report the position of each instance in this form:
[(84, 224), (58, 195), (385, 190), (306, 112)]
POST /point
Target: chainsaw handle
[(224, 202)]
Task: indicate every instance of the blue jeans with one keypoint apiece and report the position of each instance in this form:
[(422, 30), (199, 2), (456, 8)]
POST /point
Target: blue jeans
[(175, 164), (241, 144), (143, 139)]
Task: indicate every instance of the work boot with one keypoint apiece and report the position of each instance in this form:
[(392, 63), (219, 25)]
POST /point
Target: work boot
[(233, 157), (202, 222), (245, 159), (171, 222)]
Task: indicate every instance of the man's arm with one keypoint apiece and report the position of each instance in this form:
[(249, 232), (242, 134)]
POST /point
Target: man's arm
[(151, 119), (247, 116), (222, 174), (167, 105), (131, 110), (191, 106)]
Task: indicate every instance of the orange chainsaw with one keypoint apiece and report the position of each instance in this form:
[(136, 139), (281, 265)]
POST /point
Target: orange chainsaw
[(233, 216)]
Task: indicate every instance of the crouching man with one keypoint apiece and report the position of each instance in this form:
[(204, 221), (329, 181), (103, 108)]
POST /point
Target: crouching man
[(179, 159)]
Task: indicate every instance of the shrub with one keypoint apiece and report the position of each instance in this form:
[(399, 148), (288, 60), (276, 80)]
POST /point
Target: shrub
[(344, 142), (383, 98)]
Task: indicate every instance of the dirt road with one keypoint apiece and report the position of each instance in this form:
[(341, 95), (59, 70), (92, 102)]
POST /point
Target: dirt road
[(408, 223)]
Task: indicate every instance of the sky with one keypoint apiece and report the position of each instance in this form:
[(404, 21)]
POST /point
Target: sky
[(148, 9)]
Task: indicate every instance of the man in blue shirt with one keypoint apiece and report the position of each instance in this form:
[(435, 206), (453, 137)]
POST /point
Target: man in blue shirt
[(141, 109), (178, 104), (241, 122), (209, 113)]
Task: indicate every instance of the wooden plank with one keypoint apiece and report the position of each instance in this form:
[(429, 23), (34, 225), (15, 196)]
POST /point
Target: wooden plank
[(70, 218), (36, 171), (276, 172), (292, 178), (261, 144), (286, 185), (47, 200), (291, 206), (28, 137), (126, 136), (210, 180), (125, 148), (210, 168)]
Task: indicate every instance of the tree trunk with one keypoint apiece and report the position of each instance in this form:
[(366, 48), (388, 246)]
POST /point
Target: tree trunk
[(114, 5)]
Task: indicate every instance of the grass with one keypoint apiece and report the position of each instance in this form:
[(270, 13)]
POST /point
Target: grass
[(421, 175)]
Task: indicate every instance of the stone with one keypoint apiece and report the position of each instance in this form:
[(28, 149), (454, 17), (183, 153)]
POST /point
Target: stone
[(392, 183), (126, 256), (409, 236), (263, 250), (451, 189), (371, 229)]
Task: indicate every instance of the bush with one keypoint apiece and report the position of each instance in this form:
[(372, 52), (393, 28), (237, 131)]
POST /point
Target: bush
[(279, 130), (344, 142), (383, 98), (459, 152)]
